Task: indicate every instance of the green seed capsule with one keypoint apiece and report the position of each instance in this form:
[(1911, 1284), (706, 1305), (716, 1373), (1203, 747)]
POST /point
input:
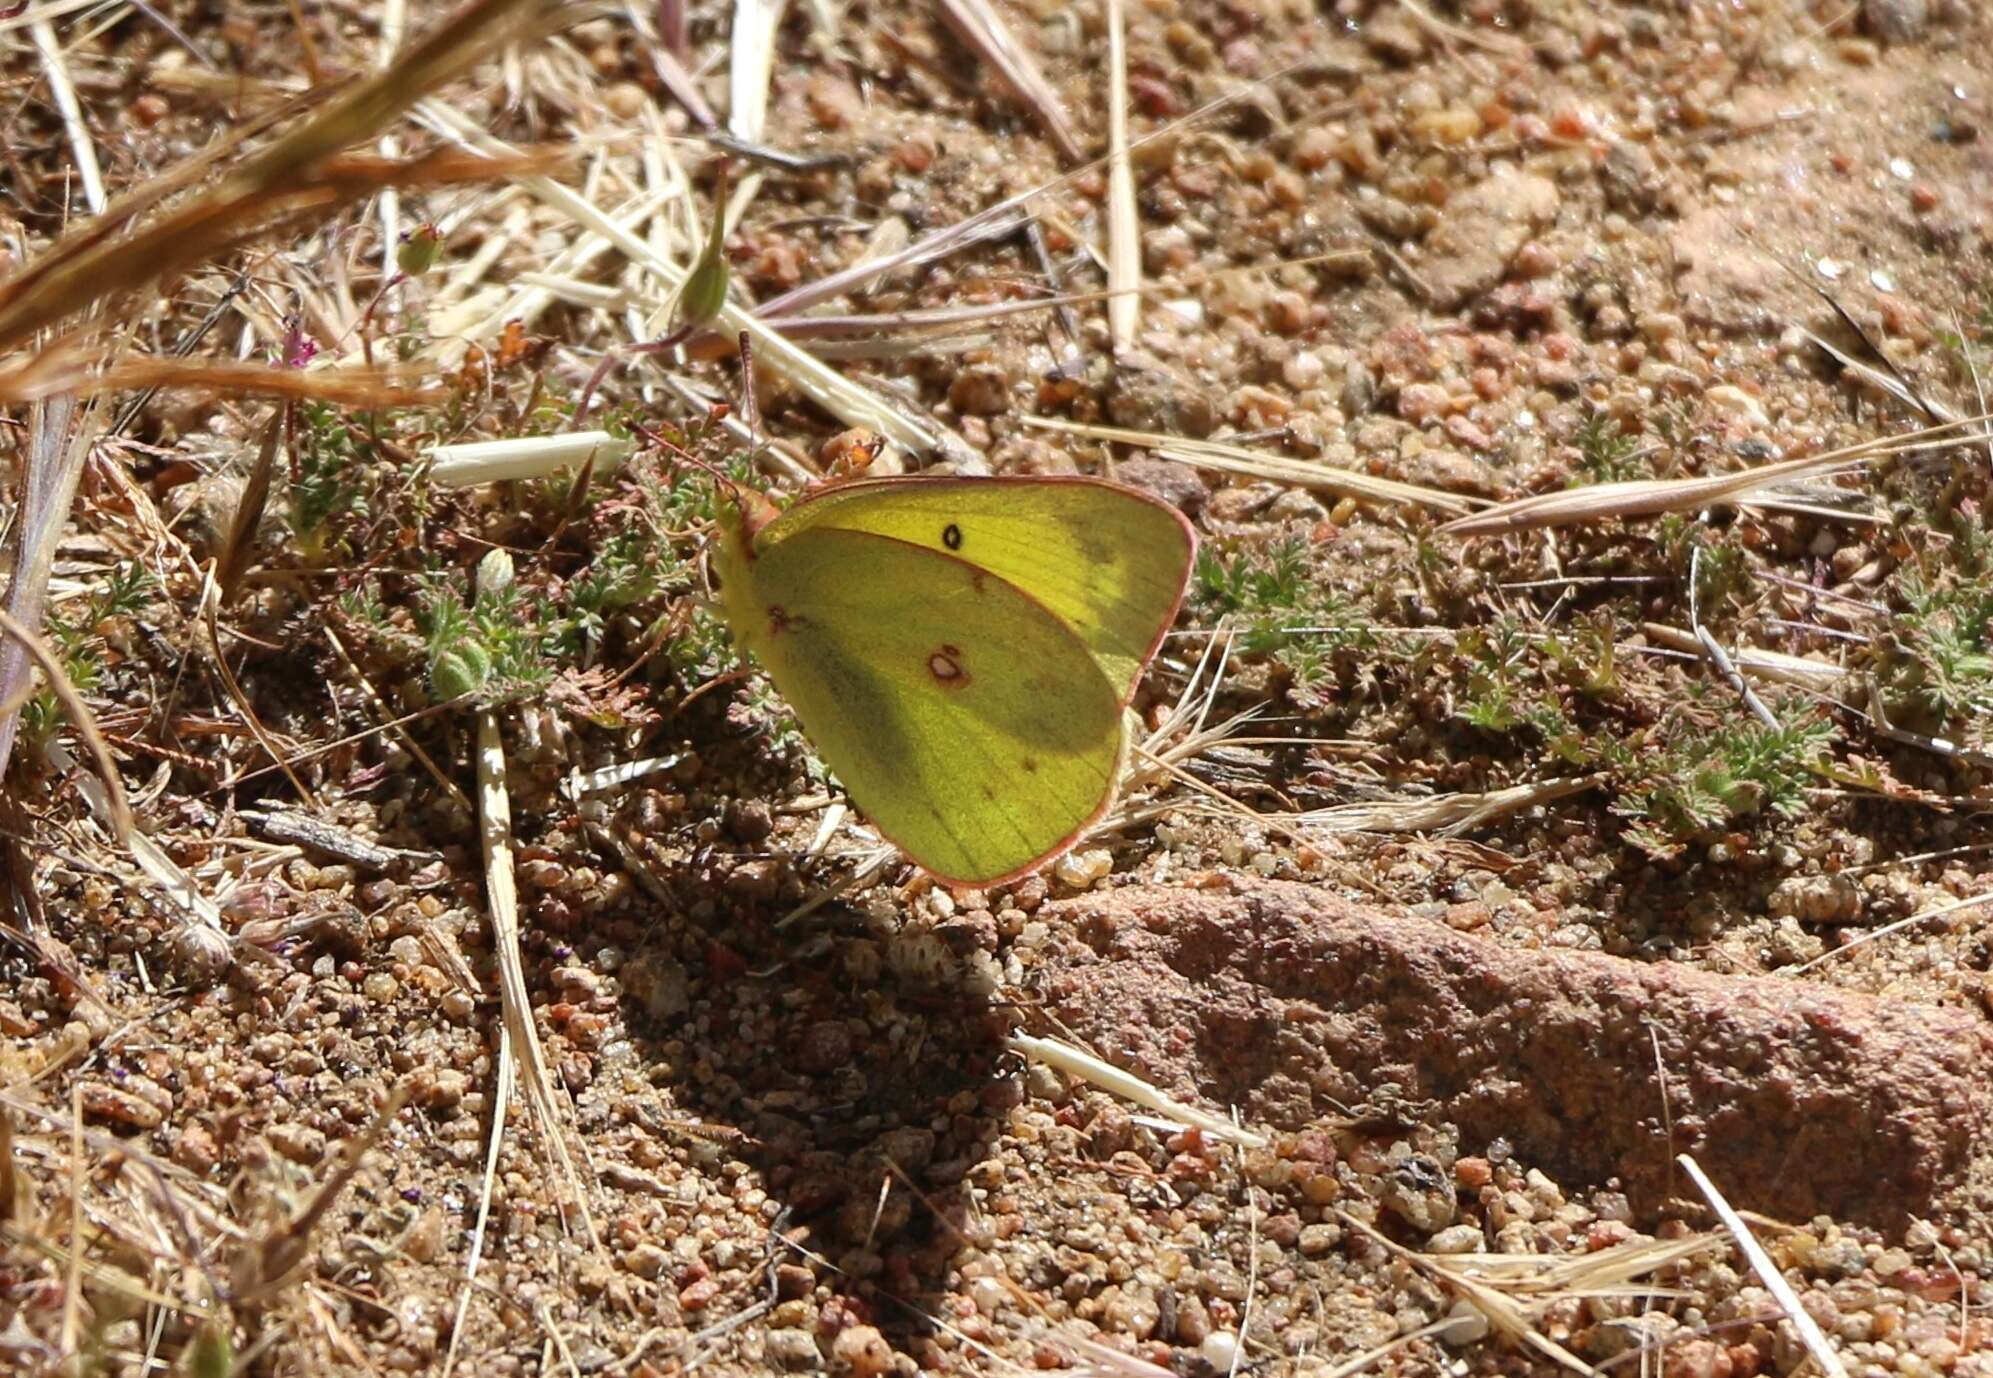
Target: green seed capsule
[(419, 250)]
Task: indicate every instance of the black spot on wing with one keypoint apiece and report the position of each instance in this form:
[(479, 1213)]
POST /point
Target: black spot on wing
[(951, 536)]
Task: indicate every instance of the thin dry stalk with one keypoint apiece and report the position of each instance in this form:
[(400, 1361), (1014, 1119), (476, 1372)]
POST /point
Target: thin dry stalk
[(72, 368), (669, 51), (1451, 814), (390, 722), (1236, 459), (1500, 44), (502, 896), (233, 562), (1084, 1065), (1937, 911), (210, 617), (1350, 1368), (982, 29), (1767, 1271), (1124, 224), (1655, 497), (850, 403), (265, 1264), (56, 69), (501, 1102)]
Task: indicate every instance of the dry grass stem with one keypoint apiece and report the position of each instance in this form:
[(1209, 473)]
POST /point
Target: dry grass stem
[(72, 368), (1108, 1077), (237, 550), (1450, 814), (56, 68), (116, 811), (982, 29), (1654, 497), (1774, 666), (1124, 225), (991, 222), (1236, 459), (1768, 1272), (1503, 1312), (1936, 911), (502, 899)]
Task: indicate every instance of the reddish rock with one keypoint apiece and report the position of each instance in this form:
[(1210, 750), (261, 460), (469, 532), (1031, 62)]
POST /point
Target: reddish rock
[(1288, 1002)]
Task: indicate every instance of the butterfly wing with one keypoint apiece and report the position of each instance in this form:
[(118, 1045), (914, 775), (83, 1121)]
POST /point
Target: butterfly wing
[(1109, 562), (967, 721)]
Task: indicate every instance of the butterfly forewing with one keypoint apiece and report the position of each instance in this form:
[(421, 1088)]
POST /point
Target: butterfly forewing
[(1105, 560), (971, 724)]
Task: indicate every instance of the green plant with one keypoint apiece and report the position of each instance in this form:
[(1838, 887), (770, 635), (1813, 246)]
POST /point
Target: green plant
[(1270, 598), (1940, 653), (1696, 777), (79, 641), (332, 477), (1606, 454)]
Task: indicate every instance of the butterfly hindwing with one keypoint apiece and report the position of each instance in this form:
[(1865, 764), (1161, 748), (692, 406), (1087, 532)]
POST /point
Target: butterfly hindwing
[(969, 721)]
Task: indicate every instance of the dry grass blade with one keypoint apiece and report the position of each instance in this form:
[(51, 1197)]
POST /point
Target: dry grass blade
[(1768, 1273), (1775, 666), (1108, 1077), (1504, 1313), (1124, 224), (1654, 497), (1236, 459), (751, 62), (233, 562), (211, 619), (72, 369), (1936, 911), (501, 1102), (502, 895), (286, 176), (669, 48), (979, 26), (1446, 813), (54, 462)]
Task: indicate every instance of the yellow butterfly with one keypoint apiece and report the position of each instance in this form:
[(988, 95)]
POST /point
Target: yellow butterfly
[(961, 650)]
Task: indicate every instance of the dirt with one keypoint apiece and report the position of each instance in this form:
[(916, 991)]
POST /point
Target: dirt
[(1544, 245)]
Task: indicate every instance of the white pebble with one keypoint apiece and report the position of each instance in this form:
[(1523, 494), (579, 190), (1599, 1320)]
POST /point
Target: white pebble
[(1078, 870), (1303, 369), (1465, 1325), (1219, 1349)]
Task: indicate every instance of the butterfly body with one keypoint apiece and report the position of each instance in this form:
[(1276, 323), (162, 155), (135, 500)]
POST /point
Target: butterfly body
[(961, 651)]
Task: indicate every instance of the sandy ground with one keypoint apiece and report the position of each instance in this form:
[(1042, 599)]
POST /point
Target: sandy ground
[(1492, 252)]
